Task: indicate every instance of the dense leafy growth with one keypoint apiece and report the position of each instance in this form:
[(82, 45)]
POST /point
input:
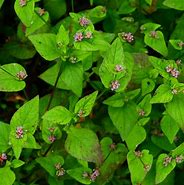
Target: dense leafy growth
[(91, 92)]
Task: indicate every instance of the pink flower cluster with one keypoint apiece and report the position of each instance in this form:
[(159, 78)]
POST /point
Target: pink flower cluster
[(59, 170), (128, 37), (92, 176), (78, 37), (114, 85), (173, 71), (83, 21), (22, 2), (51, 138), (19, 132)]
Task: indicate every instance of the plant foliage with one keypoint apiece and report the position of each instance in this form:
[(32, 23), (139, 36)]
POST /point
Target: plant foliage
[(91, 92)]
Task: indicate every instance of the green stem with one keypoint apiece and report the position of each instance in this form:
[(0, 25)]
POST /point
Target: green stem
[(48, 149), (54, 89), (101, 94), (72, 2)]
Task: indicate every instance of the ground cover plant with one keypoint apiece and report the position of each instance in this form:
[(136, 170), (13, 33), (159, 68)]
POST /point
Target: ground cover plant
[(91, 92)]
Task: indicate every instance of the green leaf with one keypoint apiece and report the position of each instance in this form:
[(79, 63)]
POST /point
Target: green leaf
[(147, 86), (148, 27), (70, 79), (161, 64), (116, 158), (178, 151), (55, 181), (139, 166), (4, 136), (106, 143), (169, 127), (77, 174), (175, 109), (176, 4), (149, 2), (25, 117), (126, 8), (143, 121), (136, 136), (176, 44), (17, 163), (50, 129), (58, 114), (1, 3), (85, 46), (117, 100), (38, 21), (49, 162), (20, 50), (62, 37), (157, 43), (96, 14), (83, 144), (31, 142), (145, 105), (7, 176), (163, 94), (116, 56), (163, 171), (26, 12), (124, 118), (85, 104), (46, 45), (9, 81), (56, 8), (162, 142)]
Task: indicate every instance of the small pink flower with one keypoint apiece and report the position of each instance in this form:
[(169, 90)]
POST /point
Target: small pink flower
[(180, 44), (83, 21), (81, 113), (41, 11), (94, 175), (73, 60), (119, 68), (22, 2), (179, 159), (141, 112), (128, 37), (114, 85), (175, 73), (85, 175), (19, 132), (78, 37), (169, 69), (21, 75), (147, 167), (3, 156), (51, 138), (51, 129), (88, 35), (57, 166), (59, 170), (138, 153), (167, 160), (112, 146), (154, 34), (178, 62), (174, 91)]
